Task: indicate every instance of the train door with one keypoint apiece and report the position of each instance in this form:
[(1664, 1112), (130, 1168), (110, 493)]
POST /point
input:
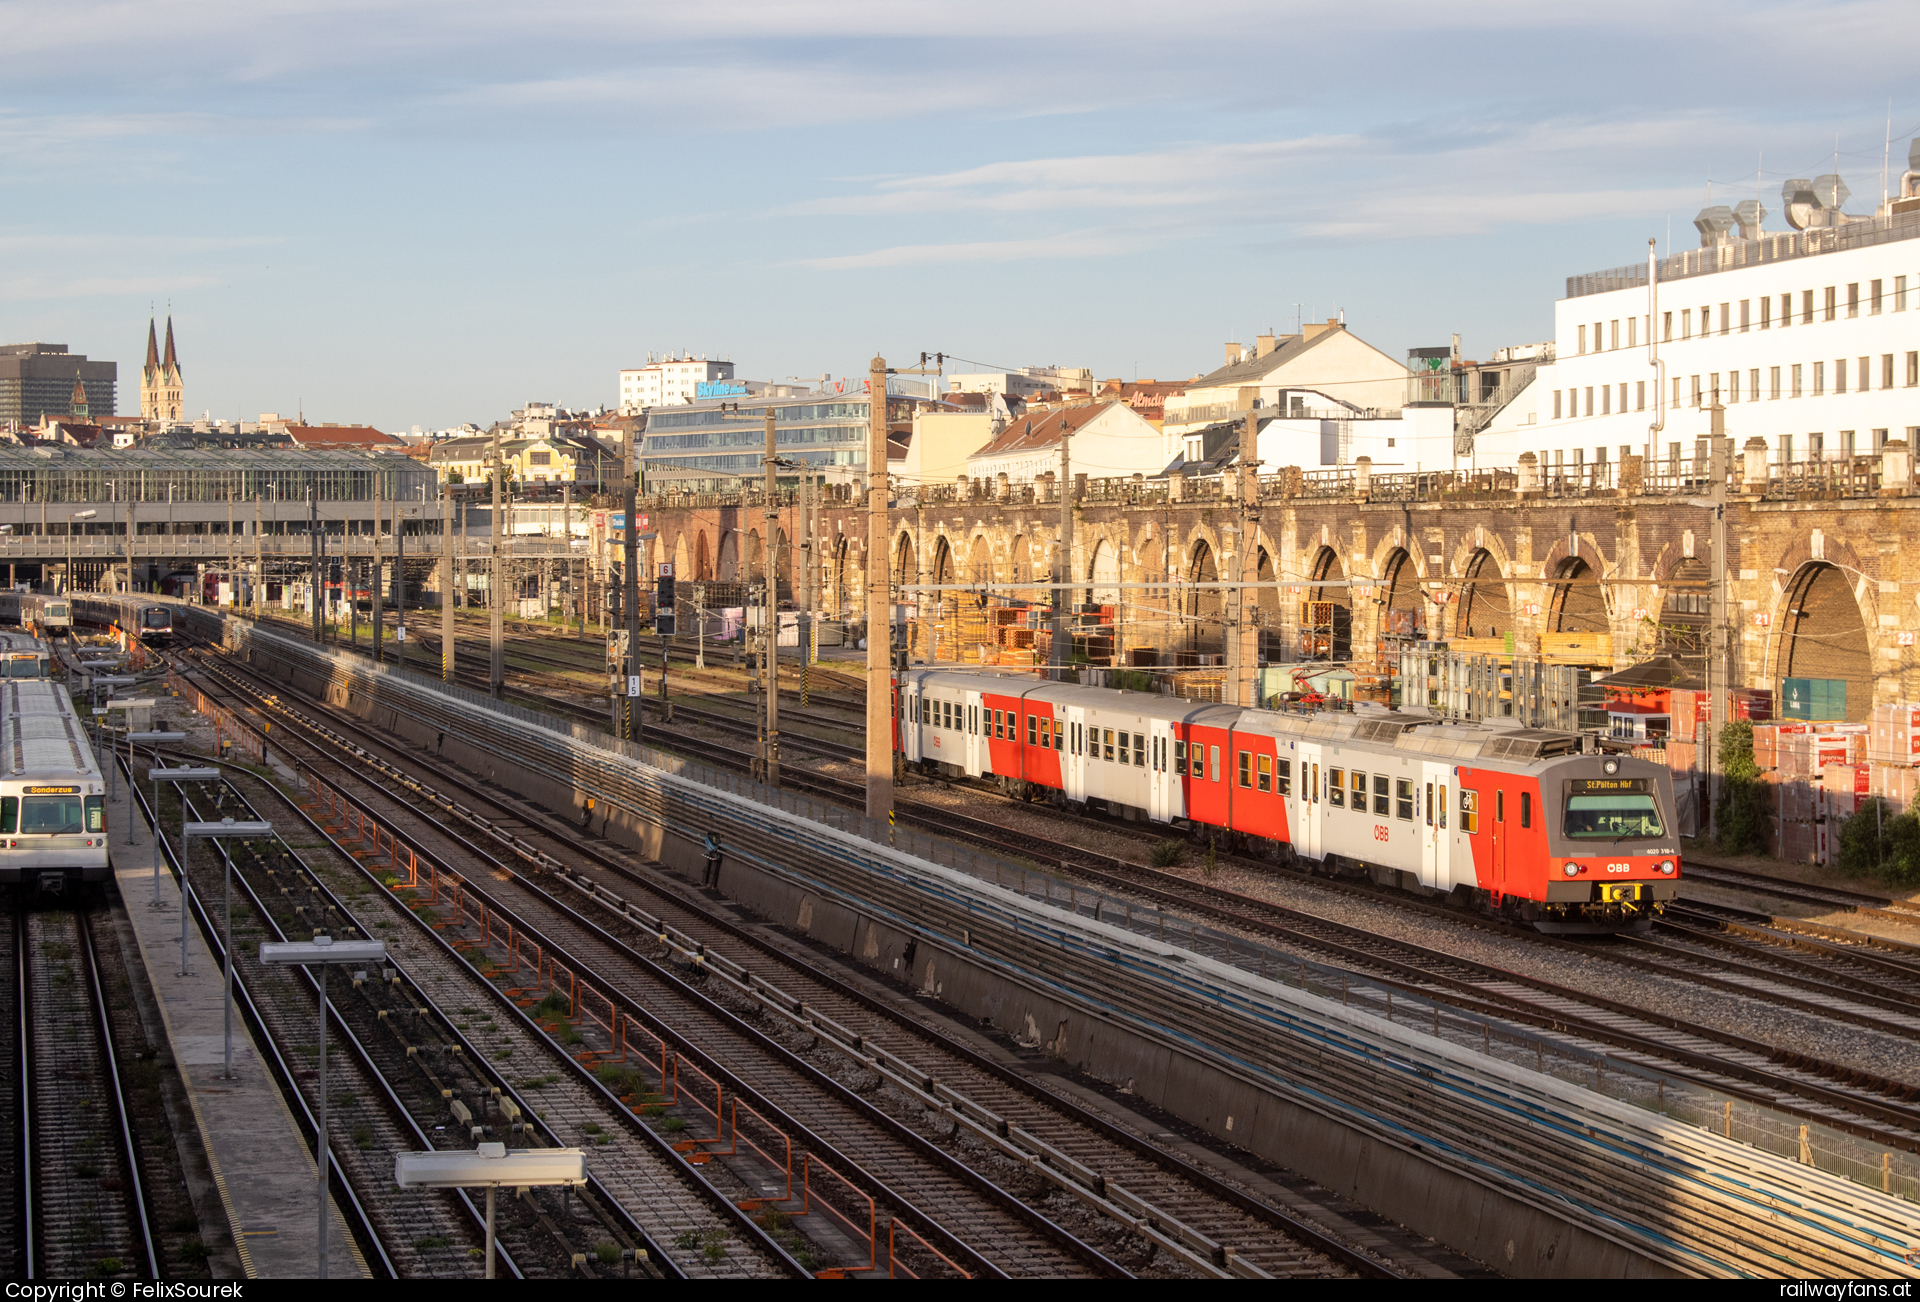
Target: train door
[(975, 747), (1499, 840), (1435, 834), (910, 706), (1162, 782), (1074, 776), (1307, 838)]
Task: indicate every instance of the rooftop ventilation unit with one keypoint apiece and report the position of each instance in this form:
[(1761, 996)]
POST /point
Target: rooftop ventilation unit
[(1832, 190), (1713, 224), (1749, 213)]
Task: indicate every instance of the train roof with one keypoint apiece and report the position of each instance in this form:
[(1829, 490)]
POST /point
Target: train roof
[(39, 733), (15, 641)]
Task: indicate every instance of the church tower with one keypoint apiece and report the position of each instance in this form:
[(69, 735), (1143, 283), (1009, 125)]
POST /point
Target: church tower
[(160, 383), (77, 401)]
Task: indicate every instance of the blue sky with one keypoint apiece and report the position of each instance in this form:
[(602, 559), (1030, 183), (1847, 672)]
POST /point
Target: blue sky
[(415, 212)]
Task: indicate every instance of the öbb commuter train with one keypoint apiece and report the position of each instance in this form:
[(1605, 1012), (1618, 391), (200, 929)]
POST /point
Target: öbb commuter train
[(1512, 820)]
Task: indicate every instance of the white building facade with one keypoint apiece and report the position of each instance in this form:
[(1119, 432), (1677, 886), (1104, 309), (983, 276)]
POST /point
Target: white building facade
[(1809, 339), (669, 381)]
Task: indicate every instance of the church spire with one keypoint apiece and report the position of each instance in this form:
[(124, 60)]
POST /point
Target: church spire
[(153, 345), (170, 362), (78, 401)]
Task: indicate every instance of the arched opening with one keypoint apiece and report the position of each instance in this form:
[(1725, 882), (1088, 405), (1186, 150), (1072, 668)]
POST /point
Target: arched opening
[(1204, 605), (728, 569), (1578, 606), (1485, 608), (906, 565), (1104, 571), (1403, 608), (681, 568), (1824, 637), (980, 561), (1020, 567), (1264, 604), (1326, 628), (702, 562), (943, 563), (783, 560), (756, 569), (1685, 610)]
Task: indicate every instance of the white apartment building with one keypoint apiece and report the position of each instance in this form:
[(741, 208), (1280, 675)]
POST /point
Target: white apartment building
[(1810, 339), (669, 380), (1025, 382)]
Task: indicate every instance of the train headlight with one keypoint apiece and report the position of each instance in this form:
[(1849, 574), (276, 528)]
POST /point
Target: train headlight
[(1666, 866), (1572, 870), (1611, 767)]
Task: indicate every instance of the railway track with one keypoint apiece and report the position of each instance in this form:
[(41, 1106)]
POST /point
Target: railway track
[(83, 1203), (384, 1095), (1254, 1232)]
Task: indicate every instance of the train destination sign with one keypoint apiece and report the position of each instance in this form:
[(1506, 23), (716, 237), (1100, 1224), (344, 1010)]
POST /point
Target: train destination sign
[(1577, 786), (52, 791)]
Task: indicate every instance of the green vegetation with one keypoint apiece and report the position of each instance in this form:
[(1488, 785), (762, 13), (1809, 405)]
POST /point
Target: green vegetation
[(674, 1125), (1166, 854), (1742, 815), (608, 1253), (1879, 841), (431, 1241)]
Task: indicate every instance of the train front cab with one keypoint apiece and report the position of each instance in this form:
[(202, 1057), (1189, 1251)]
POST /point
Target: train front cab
[(53, 837), (1582, 845)]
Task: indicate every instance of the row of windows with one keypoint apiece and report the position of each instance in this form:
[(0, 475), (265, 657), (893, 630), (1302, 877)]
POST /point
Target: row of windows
[(1749, 313), (1867, 374), (714, 416), (756, 436), (1847, 443)]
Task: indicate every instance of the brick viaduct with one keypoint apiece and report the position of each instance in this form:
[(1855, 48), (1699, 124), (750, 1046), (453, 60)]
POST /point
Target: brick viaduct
[(1824, 573)]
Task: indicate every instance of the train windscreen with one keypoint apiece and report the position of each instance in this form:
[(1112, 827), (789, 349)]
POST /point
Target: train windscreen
[(61, 815), (1612, 811), (57, 610), (158, 618)]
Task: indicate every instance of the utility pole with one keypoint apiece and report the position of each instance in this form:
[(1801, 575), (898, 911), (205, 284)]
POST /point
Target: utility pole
[(399, 585), (633, 713), (770, 627), (379, 618), (447, 648), (879, 617), (1243, 647), (1057, 654), (1719, 641), (259, 559), (319, 578), (496, 632)]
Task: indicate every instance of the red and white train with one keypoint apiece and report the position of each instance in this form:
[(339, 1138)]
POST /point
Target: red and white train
[(1514, 820)]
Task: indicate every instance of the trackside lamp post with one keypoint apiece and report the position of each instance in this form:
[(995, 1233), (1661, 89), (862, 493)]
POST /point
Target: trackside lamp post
[(324, 952), (489, 1166), (224, 830), (157, 775)]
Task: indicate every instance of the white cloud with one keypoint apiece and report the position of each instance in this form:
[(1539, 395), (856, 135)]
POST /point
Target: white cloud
[(1075, 244)]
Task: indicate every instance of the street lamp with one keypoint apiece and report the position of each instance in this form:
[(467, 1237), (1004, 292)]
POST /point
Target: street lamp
[(489, 1166), (175, 776), (152, 739), (224, 830), (323, 952)]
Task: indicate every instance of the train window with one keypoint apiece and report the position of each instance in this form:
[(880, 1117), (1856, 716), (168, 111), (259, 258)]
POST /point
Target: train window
[(10, 814), (1197, 761), (1526, 809), (1336, 788), (1403, 799), (1213, 761), (1246, 769), (1139, 750), (1266, 773), (1443, 806), (973, 720), (58, 815), (1381, 799), (1429, 804), (1469, 812), (1285, 786), (1614, 814), (1107, 745), (1033, 730), (1059, 735), (1180, 758), (1499, 806)]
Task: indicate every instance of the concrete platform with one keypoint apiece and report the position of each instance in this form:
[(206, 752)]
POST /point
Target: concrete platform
[(261, 1163)]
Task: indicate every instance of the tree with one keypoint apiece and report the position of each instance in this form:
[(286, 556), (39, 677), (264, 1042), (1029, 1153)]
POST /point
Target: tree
[(1878, 841), (1744, 799)]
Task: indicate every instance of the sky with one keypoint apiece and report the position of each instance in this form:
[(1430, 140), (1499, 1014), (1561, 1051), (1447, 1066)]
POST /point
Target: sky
[(421, 213)]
